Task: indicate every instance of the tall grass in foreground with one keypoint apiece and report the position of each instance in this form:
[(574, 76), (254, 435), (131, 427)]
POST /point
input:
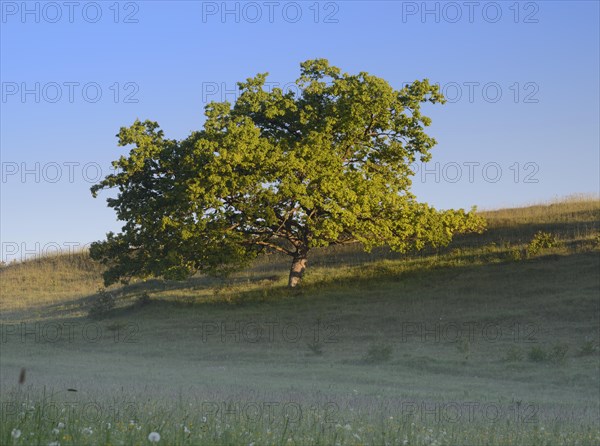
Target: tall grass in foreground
[(51, 419), (534, 268)]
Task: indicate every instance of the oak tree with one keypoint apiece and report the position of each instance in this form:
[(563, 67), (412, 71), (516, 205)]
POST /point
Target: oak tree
[(283, 171)]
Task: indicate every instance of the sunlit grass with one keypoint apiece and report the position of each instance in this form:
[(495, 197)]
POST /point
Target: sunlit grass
[(162, 381), (574, 221)]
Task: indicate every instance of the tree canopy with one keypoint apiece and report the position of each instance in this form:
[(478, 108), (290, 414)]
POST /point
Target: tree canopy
[(283, 171)]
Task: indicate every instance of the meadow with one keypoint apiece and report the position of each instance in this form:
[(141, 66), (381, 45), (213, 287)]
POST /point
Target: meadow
[(492, 340)]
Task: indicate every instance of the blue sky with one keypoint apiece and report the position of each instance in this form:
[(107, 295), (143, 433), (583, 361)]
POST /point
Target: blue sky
[(522, 79)]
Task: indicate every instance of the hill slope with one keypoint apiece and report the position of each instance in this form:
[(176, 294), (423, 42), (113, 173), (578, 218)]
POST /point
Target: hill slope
[(374, 348), (575, 225)]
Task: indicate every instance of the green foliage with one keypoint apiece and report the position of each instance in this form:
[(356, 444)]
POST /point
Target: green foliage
[(514, 354), (556, 354), (537, 354), (102, 304), (541, 240), (279, 171), (515, 254), (588, 348), (378, 353)]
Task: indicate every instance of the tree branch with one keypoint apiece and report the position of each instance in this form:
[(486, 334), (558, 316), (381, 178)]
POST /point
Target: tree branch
[(273, 246)]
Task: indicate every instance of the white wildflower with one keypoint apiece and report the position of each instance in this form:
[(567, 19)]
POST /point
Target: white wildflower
[(154, 437), (16, 433), (55, 431)]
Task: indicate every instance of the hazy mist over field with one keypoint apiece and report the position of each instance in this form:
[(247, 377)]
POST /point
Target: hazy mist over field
[(299, 223)]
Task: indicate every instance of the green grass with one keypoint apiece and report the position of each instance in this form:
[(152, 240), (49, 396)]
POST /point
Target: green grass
[(368, 348), (55, 279)]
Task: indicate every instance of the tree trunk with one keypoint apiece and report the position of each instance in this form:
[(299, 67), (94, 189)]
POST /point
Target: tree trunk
[(297, 269)]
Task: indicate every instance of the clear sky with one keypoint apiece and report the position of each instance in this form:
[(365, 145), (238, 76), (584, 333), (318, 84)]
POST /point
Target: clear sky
[(522, 79)]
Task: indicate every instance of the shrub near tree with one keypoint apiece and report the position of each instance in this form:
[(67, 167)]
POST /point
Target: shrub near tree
[(280, 171)]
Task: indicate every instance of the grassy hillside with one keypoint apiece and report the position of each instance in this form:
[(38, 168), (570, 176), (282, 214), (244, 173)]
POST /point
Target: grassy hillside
[(56, 281), (492, 340)]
